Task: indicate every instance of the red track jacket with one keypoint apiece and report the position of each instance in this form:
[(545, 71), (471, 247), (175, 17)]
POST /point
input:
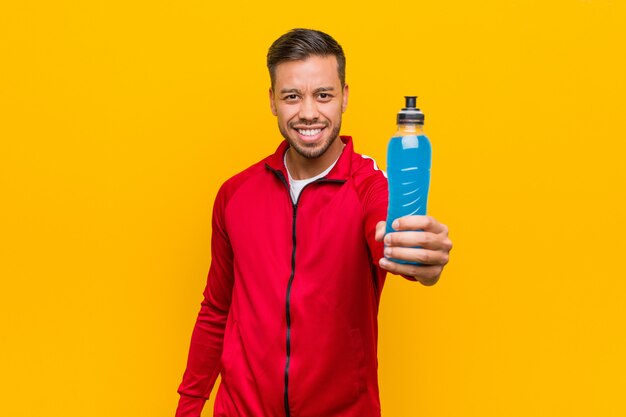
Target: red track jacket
[(289, 316)]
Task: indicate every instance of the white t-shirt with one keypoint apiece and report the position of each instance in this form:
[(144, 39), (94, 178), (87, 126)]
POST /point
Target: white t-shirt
[(296, 186)]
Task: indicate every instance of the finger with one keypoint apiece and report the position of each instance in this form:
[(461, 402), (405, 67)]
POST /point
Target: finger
[(380, 231), (426, 223), (423, 256), (428, 274), (426, 240)]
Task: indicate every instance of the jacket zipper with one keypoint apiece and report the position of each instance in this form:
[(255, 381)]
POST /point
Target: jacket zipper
[(288, 307), (291, 277)]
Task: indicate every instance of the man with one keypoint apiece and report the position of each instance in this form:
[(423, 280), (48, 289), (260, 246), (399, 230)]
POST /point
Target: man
[(289, 316)]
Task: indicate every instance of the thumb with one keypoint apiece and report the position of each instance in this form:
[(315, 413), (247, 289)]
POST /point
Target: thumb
[(380, 231)]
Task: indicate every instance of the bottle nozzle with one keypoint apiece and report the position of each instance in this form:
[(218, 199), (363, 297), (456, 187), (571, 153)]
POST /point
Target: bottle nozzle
[(410, 101), (410, 114)]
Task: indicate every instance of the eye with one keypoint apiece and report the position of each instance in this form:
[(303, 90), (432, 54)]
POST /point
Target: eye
[(324, 96), (290, 97)]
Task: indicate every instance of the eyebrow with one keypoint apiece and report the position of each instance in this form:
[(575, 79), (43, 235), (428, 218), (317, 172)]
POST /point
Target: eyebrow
[(295, 90)]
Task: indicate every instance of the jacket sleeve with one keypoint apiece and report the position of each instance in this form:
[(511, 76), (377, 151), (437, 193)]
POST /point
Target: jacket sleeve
[(203, 363), (376, 197)]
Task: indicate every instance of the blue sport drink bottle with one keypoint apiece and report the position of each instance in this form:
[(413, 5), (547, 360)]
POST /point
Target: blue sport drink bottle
[(408, 167)]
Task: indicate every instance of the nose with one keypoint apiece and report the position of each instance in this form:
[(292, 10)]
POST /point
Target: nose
[(308, 109)]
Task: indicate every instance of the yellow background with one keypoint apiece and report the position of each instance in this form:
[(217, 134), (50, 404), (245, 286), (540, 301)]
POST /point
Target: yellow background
[(119, 120)]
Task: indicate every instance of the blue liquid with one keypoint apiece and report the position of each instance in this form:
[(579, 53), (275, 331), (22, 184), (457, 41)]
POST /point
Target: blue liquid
[(408, 174)]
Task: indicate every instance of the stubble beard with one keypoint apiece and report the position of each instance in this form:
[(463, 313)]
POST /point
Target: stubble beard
[(313, 151)]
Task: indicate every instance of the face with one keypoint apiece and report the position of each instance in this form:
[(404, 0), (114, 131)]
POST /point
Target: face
[(308, 101)]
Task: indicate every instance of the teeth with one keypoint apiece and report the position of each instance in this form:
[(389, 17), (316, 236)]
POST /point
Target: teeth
[(309, 132)]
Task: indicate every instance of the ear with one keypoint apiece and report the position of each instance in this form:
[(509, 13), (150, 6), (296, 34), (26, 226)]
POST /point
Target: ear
[(344, 103), (272, 105)]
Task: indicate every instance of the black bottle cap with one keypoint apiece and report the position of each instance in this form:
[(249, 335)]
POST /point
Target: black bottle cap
[(410, 114)]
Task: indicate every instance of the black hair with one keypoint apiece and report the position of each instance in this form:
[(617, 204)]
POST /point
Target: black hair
[(300, 44)]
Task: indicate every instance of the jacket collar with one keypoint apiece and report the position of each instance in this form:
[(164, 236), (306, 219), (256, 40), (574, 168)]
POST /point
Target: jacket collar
[(340, 171)]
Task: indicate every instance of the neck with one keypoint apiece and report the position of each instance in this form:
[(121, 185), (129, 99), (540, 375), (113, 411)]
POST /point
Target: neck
[(301, 168)]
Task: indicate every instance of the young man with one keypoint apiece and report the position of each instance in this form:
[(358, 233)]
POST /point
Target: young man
[(289, 316)]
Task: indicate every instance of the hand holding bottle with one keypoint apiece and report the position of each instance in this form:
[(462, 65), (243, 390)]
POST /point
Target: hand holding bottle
[(416, 246), (410, 231)]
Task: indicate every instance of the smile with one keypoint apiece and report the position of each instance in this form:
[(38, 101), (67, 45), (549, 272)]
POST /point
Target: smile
[(310, 135), (309, 132)]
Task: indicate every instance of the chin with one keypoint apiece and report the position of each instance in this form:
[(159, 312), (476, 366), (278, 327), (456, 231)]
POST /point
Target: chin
[(311, 151)]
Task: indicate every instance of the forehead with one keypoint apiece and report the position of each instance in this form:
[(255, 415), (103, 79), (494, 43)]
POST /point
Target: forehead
[(315, 71)]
